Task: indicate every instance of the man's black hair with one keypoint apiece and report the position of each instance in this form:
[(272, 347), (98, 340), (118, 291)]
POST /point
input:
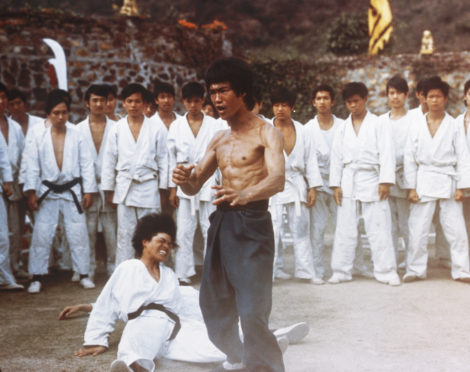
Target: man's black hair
[(16, 93), (150, 225), (237, 73), (436, 82), (131, 89), (466, 87), (421, 86), (55, 97), (257, 94), (324, 88), (161, 87), (283, 95), (96, 89), (111, 89), (148, 97), (192, 89), (354, 88), (3, 88), (398, 83)]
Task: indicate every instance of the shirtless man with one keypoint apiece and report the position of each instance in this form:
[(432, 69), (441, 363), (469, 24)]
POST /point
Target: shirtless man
[(237, 275)]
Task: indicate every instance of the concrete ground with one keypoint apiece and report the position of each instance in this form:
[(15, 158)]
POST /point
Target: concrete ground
[(357, 326)]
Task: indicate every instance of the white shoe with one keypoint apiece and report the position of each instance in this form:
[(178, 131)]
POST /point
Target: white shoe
[(75, 277), (283, 343), (87, 283), (12, 287), (34, 287), (394, 282), (294, 333), (281, 275), (317, 281), (119, 366), (336, 279), (463, 279), (408, 278)]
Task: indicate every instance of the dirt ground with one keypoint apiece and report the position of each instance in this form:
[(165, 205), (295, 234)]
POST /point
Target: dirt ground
[(357, 326)]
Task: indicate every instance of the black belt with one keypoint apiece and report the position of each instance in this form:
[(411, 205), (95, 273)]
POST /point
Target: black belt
[(159, 307), (59, 189), (259, 205)]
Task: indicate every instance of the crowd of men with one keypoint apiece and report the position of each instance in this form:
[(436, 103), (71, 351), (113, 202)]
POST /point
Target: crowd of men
[(400, 173)]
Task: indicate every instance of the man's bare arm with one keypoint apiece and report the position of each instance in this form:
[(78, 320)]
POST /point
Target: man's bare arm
[(191, 178)]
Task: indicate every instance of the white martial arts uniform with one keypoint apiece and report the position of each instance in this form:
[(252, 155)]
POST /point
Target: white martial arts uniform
[(184, 147), (436, 167), (325, 205), (15, 204), (135, 171), (42, 167), (358, 164), (302, 174), (101, 215), (6, 277), (466, 203), (146, 337), (399, 204)]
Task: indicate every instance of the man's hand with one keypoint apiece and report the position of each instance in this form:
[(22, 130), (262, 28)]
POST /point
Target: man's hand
[(7, 188), (338, 195), (384, 191), (109, 196), (174, 200), (459, 195), (311, 197), (413, 196), (69, 310), (181, 173), (227, 194), (87, 200), (91, 350), (33, 201)]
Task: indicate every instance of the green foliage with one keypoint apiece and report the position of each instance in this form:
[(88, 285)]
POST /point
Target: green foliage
[(348, 34)]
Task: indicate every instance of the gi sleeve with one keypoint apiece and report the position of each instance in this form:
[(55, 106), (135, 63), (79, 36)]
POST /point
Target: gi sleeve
[(312, 173), (387, 160), (410, 163), (5, 167), (171, 144), (110, 159), (463, 156), (336, 157), (30, 162), (87, 166), (162, 157)]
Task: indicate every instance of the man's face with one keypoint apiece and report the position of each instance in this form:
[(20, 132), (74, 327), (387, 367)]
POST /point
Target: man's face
[(225, 100), (356, 104), (282, 110), (436, 100), (208, 110), (165, 102), (110, 104), (3, 102), (396, 99), (323, 102), (96, 104), (193, 105), (59, 115), (134, 105), (16, 107), (150, 109)]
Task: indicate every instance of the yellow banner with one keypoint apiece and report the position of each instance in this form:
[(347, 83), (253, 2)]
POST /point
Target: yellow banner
[(380, 25)]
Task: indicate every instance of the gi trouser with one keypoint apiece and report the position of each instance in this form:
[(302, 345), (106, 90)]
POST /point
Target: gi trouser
[(237, 282), (453, 225), (47, 218), (324, 206), (6, 277), (400, 210), (377, 224), (187, 224)]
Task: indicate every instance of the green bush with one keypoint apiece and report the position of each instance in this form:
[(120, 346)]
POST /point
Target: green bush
[(348, 34)]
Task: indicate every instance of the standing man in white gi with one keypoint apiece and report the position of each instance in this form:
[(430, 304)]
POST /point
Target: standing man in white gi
[(188, 139), (361, 171), (302, 179), (399, 122), (135, 167), (321, 130), (17, 110), (95, 129), (111, 102), (60, 179), (437, 169), (14, 138)]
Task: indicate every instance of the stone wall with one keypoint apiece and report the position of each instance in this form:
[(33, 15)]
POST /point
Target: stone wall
[(115, 50)]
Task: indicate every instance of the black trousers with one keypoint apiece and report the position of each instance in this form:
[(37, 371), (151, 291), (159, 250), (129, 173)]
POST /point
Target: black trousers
[(237, 283)]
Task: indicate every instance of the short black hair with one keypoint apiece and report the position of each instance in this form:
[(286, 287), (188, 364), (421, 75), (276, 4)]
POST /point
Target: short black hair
[(56, 97), (131, 89), (161, 87), (16, 93), (436, 82), (192, 89), (150, 225), (96, 89), (257, 94), (421, 86), (111, 89), (354, 88), (3, 88), (283, 95), (148, 97), (398, 83), (324, 88), (466, 87), (237, 73)]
